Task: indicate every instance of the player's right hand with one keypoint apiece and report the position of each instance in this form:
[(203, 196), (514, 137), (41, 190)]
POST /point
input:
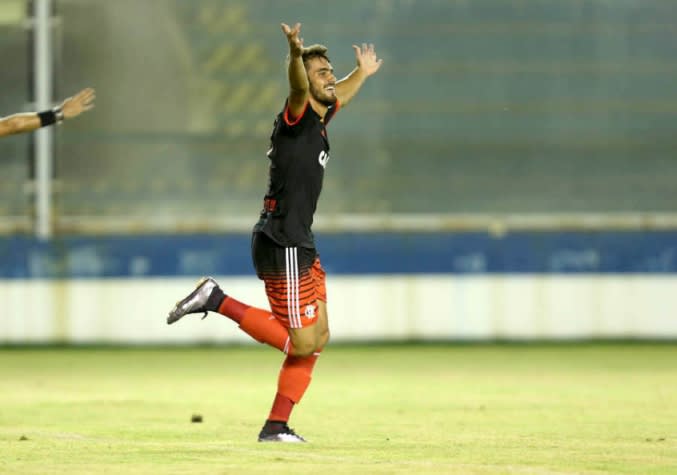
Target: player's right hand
[(295, 43)]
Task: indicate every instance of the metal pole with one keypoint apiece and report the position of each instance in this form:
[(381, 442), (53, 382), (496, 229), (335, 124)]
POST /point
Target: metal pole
[(43, 100)]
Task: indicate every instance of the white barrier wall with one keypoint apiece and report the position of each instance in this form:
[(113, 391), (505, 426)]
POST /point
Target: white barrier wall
[(360, 308)]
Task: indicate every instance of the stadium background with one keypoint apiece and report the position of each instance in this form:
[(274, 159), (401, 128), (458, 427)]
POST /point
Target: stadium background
[(509, 173)]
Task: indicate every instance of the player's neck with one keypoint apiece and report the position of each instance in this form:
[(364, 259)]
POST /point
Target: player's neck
[(319, 108)]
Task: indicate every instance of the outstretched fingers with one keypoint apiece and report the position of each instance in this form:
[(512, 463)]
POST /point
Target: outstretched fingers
[(366, 58), (86, 98), (292, 34), (364, 50), (79, 103)]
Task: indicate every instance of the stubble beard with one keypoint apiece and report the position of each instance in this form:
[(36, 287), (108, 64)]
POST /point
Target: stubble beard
[(322, 97)]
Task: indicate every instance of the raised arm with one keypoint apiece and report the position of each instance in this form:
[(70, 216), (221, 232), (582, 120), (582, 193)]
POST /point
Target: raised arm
[(298, 78), (18, 123), (367, 64), (27, 122)]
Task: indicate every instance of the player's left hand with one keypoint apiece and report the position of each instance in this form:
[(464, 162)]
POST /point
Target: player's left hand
[(79, 103), (366, 58)]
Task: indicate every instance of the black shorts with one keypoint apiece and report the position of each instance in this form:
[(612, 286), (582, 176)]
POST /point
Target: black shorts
[(293, 277), (271, 258)]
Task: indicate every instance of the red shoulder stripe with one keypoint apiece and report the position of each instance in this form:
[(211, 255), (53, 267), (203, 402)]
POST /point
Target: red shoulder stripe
[(297, 119)]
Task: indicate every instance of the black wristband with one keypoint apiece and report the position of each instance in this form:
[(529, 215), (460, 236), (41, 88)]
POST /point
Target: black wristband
[(47, 118)]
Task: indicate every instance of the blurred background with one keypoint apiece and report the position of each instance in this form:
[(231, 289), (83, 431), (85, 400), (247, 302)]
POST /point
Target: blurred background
[(510, 173)]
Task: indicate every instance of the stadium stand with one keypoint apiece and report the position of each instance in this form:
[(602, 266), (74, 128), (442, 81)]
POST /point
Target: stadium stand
[(493, 107)]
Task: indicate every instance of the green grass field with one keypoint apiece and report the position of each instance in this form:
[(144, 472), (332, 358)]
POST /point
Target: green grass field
[(466, 409)]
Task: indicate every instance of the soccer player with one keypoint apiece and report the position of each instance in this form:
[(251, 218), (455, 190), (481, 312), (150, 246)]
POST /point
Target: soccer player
[(283, 247), (27, 122)]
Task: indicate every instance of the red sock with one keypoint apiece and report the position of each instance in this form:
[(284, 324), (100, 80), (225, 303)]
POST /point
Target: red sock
[(294, 379), (281, 410), (233, 309), (257, 323)]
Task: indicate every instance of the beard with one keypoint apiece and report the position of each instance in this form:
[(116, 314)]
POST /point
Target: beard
[(322, 97)]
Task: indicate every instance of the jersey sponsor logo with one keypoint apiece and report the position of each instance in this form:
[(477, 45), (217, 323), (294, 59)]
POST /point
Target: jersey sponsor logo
[(310, 311), (323, 158)]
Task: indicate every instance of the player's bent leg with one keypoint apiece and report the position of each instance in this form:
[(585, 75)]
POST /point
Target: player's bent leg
[(258, 323), (205, 298)]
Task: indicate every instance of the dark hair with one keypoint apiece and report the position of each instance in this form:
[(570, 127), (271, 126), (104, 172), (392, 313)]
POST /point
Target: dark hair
[(314, 51)]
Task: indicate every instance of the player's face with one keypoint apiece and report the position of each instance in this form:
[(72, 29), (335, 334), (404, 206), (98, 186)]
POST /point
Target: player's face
[(322, 80)]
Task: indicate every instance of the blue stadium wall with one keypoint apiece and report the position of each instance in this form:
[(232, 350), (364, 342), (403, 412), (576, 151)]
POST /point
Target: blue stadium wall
[(150, 256), (474, 286)]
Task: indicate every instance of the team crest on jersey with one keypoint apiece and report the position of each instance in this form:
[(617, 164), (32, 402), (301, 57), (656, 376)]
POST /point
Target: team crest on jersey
[(323, 158), (310, 311)]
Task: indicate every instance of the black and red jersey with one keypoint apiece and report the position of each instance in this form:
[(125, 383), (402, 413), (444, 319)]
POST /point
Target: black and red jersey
[(299, 151)]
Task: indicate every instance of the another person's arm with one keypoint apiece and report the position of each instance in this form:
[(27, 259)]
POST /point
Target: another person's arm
[(27, 122), (367, 64), (298, 78)]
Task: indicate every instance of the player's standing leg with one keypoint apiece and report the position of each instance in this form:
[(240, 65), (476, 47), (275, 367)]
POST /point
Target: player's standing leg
[(296, 372)]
